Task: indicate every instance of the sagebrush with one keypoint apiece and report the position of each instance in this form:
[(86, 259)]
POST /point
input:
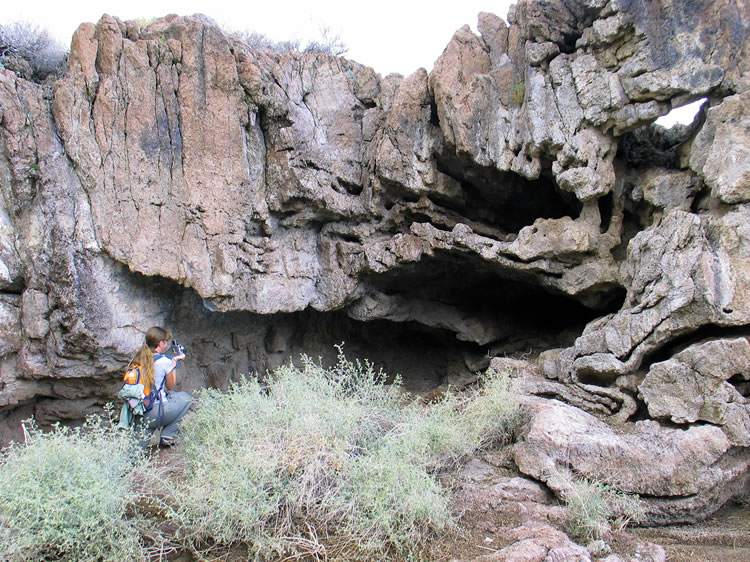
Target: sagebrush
[(64, 495), (325, 462), (328, 462), (595, 508), (30, 50), (329, 43)]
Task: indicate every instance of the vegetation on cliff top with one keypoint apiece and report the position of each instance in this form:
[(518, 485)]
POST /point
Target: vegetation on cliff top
[(30, 51)]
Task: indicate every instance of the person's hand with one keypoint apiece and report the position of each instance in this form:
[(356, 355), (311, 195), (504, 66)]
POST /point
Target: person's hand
[(180, 357)]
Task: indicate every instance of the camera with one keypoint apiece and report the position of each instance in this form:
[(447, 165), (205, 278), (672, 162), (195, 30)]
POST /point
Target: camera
[(178, 349)]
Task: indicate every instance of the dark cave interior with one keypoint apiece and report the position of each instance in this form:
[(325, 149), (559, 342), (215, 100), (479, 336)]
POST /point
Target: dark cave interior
[(527, 319), (504, 199)]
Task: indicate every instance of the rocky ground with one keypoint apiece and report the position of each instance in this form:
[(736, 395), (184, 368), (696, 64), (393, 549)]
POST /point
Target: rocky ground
[(506, 517)]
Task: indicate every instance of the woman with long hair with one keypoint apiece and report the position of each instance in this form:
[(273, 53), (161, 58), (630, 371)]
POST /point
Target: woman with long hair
[(159, 374)]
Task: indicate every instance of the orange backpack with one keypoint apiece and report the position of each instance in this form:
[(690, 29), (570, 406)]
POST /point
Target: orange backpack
[(133, 376)]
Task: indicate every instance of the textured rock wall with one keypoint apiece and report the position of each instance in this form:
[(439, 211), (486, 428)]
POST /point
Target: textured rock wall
[(515, 200)]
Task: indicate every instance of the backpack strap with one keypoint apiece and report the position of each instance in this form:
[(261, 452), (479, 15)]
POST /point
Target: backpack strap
[(158, 391), (160, 416)]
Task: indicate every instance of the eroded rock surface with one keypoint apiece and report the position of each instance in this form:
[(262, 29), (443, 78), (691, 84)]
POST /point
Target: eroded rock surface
[(692, 471), (516, 200), (694, 385)]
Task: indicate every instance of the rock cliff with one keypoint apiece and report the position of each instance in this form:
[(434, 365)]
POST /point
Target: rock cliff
[(517, 200)]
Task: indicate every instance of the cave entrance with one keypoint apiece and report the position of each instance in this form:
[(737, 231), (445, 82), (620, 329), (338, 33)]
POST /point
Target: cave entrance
[(224, 347), (480, 312), (503, 200), (447, 318)]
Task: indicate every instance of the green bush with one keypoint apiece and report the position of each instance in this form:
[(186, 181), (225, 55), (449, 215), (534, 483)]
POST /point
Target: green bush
[(64, 495), (518, 92), (332, 463), (595, 508), (327, 461)]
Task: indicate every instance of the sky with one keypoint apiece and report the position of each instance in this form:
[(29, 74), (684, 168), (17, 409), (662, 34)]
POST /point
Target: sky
[(390, 35)]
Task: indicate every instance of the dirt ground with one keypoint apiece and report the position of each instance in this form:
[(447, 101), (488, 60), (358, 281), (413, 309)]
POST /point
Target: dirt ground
[(723, 538)]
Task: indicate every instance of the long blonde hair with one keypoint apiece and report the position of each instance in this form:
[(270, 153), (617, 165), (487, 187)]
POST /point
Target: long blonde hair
[(145, 356)]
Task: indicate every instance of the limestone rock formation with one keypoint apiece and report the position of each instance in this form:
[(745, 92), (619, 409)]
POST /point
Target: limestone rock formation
[(693, 385), (691, 471), (517, 200)]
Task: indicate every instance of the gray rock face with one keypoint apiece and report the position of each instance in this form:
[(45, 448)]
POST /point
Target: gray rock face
[(692, 472), (693, 385), (518, 199)]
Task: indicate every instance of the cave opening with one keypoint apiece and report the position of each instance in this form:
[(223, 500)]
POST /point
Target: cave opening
[(659, 144), (225, 347), (448, 317), (685, 114), (500, 199), (488, 312)]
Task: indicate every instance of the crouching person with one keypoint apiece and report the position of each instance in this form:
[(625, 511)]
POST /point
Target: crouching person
[(158, 413)]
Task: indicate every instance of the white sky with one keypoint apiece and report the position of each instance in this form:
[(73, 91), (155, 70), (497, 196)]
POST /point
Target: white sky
[(390, 35)]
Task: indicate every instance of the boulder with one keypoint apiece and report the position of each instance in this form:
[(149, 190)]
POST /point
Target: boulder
[(684, 475), (703, 383)]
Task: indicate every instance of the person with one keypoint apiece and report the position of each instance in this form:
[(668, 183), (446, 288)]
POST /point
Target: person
[(160, 370)]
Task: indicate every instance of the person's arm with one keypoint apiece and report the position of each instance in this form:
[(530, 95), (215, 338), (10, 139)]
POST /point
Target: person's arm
[(170, 379)]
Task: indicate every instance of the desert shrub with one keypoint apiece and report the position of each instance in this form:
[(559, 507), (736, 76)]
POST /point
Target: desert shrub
[(328, 43), (518, 92), (145, 21), (594, 509), (260, 41), (330, 461), (64, 495), (29, 43)]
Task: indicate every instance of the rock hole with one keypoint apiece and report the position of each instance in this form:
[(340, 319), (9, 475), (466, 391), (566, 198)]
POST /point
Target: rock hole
[(657, 146), (741, 384), (691, 337), (682, 115), (434, 118), (568, 44), (605, 205), (504, 200), (351, 188)]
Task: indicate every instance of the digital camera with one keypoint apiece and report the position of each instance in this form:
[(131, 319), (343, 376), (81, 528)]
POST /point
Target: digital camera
[(178, 349)]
